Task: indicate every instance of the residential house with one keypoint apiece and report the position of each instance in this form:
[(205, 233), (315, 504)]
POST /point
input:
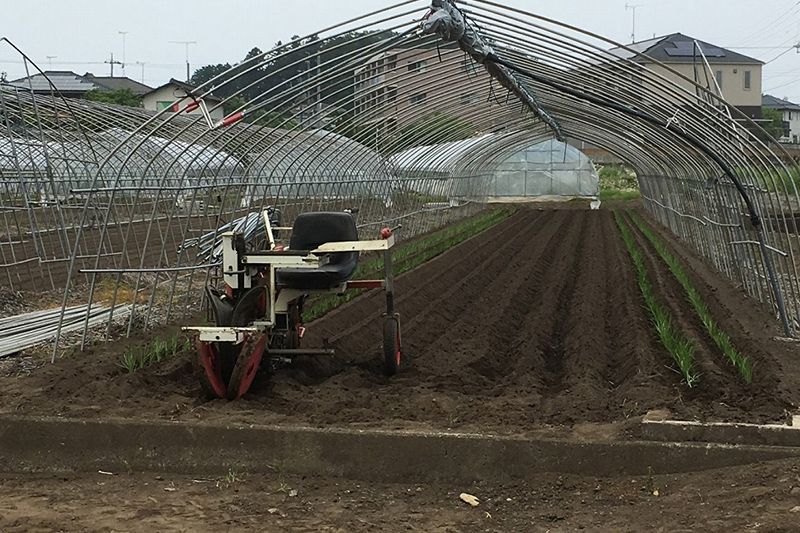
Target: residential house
[(736, 76), (400, 86), (72, 85), (165, 97), (119, 82), (791, 117)]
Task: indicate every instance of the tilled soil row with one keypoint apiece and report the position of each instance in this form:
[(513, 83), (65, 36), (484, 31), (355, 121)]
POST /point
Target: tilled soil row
[(538, 320), (734, 312)]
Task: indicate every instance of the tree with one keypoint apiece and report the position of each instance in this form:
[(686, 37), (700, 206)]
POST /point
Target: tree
[(436, 127), (774, 124), (120, 97), (287, 66), (208, 72)]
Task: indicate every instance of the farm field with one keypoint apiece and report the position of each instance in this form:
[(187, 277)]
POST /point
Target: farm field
[(535, 327), (535, 322), (750, 498)]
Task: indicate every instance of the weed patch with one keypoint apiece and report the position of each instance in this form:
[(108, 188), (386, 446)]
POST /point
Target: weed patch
[(154, 352)]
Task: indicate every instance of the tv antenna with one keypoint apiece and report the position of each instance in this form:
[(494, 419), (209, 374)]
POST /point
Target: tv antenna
[(186, 44), (633, 7)]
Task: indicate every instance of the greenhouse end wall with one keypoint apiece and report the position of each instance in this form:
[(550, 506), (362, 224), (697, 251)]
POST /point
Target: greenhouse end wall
[(548, 169)]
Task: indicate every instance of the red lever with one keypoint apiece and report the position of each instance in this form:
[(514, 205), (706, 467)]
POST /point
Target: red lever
[(386, 233)]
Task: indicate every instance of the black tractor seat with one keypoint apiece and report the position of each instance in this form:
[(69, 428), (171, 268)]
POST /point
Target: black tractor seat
[(311, 230)]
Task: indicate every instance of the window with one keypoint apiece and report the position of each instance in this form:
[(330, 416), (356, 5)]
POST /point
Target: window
[(718, 75), (418, 66), (417, 98), (391, 95), (746, 80), (163, 105)]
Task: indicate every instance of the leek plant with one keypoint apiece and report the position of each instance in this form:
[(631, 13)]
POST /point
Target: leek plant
[(742, 363), (677, 345)]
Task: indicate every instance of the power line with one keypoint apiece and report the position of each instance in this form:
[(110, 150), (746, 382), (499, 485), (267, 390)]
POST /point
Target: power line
[(767, 26), (795, 47)]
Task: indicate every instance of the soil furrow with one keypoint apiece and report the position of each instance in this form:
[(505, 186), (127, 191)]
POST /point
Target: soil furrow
[(538, 320), (721, 389), (413, 287), (637, 362)]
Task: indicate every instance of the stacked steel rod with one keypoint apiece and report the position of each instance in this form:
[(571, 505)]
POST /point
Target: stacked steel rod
[(18, 333)]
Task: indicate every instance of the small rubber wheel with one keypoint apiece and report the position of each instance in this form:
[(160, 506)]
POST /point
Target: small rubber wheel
[(391, 346)]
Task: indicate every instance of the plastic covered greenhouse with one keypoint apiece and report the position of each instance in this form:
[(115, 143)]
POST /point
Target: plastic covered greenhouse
[(546, 169), (513, 168)]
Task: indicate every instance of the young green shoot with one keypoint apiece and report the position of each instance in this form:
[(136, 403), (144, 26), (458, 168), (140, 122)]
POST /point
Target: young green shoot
[(680, 349), (742, 363)]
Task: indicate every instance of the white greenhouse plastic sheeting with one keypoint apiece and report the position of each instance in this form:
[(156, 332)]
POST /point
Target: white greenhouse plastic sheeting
[(550, 168), (545, 169)]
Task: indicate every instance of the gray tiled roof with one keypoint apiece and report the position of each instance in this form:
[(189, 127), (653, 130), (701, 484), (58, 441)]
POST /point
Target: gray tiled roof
[(678, 48), (64, 81), (777, 103), (117, 83)]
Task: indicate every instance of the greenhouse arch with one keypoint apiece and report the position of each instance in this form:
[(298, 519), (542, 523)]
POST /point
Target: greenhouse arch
[(406, 114)]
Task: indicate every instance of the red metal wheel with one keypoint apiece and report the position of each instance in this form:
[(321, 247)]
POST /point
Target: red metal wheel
[(246, 367), (209, 370)]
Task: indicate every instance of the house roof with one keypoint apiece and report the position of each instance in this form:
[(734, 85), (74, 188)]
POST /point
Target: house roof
[(773, 102), (116, 83), (679, 48), (186, 87), (63, 80)]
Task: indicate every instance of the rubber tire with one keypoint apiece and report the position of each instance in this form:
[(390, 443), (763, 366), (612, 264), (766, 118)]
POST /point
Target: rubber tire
[(391, 346)]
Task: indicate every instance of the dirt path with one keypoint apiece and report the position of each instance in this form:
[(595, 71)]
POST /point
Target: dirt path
[(759, 498), (535, 321)]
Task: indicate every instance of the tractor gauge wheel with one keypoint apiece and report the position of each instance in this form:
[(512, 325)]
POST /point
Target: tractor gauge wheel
[(207, 367), (392, 353)]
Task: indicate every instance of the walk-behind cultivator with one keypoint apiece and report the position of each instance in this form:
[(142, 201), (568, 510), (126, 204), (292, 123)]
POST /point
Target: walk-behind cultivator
[(259, 315)]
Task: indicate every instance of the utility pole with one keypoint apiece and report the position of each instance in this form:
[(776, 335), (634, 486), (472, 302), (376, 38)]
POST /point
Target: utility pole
[(633, 7), (50, 62), (123, 33), (186, 43), (142, 64), (112, 63)]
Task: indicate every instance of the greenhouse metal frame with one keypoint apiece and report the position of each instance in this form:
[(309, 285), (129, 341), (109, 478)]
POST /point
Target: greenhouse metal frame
[(103, 202)]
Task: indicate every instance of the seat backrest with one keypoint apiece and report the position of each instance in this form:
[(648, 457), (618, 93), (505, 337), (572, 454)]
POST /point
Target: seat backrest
[(310, 230)]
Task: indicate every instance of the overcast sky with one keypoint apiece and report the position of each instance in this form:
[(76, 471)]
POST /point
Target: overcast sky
[(82, 34)]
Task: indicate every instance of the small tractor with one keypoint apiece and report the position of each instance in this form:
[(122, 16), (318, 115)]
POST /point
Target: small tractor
[(258, 316)]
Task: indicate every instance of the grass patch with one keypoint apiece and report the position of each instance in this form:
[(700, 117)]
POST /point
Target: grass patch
[(107, 292), (154, 352), (410, 255), (619, 194), (742, 363), (678, 346)]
